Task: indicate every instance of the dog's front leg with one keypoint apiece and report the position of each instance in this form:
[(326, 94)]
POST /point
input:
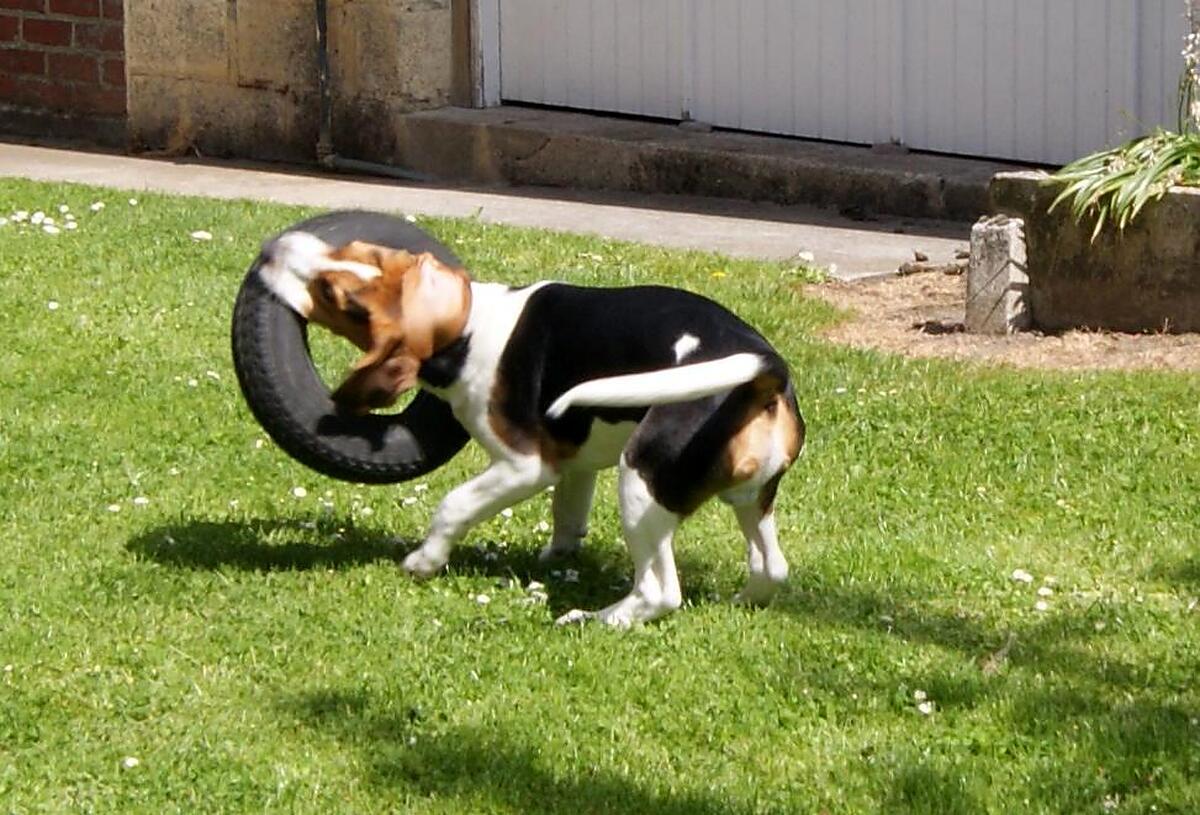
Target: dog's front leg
[(502, 484)]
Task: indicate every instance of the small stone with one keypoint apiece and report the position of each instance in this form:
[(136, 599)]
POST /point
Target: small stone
[(51, 229), (506, 513), (409, 500), (133, 202), (141, 501), (114, 507), (129, 762), (926, 708), (1022, 576), (299, 492), (1041, 605), (919, 256), (201, 235), (806, 257), (52, 305), (1045, 591), (72, 225), (920, 695), (96, 206), (482, 599)]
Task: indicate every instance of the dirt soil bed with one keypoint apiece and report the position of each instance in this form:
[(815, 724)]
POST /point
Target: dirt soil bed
[(921, 315)]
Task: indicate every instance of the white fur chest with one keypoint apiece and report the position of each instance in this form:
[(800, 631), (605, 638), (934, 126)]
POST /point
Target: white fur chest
[(495, 310)]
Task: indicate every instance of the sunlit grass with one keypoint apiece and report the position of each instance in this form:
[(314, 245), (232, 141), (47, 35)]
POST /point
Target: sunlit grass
[(227, 644)]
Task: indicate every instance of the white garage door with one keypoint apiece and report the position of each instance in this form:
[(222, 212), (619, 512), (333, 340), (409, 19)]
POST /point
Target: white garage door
[(1032, 80)]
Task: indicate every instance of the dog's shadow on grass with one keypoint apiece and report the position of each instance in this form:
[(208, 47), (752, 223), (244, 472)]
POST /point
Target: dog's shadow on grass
[(479, 768), (262, 545), (591, 578)]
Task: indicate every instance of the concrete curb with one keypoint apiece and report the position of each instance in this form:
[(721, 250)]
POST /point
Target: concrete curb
[(562, 149)]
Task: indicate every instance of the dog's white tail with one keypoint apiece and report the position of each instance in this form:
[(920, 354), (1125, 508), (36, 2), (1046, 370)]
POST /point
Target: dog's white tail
[(662, 387)]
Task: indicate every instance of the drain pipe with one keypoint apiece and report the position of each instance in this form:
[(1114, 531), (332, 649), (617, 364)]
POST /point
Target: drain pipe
[(326, 155)]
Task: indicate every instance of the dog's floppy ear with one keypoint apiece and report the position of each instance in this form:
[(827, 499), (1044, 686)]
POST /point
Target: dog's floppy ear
[(378, 379)]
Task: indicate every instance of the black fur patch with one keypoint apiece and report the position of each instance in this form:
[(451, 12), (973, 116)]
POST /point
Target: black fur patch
[(570, 334), (443, 368)]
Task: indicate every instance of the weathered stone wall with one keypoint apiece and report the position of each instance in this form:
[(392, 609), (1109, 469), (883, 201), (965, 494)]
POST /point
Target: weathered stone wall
[(239, 77), (1146, 278)]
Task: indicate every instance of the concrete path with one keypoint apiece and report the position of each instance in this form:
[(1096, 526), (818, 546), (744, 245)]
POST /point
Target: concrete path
[(852, 249)]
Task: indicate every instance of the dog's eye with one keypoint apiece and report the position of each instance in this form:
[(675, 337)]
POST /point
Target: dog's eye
[(356, 312), (325, 290)]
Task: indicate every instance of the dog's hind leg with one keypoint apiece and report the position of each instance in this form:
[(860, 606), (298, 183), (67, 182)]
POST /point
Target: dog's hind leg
[(572, 503), (649, 528), (767, 566), (501, 485)]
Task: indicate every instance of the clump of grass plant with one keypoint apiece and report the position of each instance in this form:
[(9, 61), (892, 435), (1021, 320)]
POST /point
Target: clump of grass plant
[(1112, 187)]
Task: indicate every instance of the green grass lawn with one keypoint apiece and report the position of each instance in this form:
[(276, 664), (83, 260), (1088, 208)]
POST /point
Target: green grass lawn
[(183, 630)]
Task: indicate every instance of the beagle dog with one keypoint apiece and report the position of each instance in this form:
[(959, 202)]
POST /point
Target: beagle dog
[(556, 382)]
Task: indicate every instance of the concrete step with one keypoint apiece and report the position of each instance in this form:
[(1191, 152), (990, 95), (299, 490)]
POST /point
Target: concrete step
[(516, 145)]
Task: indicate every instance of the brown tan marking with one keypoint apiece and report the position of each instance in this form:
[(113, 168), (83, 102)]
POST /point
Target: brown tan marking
[(416, 307)]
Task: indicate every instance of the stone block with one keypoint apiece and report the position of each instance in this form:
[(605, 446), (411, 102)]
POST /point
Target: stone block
[(276, 44), (178, 116), (997, 277), (185, 40), (398, 52)]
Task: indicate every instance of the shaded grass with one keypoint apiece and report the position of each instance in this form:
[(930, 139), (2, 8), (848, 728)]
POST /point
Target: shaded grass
[(255, 651)]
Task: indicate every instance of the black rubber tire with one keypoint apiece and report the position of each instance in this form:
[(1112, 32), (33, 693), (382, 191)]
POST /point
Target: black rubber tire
[(288, 398)]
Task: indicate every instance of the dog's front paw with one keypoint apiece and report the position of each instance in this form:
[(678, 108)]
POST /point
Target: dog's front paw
[(421, 564)]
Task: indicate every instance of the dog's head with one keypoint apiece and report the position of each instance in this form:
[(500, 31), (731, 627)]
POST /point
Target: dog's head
[(398, 308)]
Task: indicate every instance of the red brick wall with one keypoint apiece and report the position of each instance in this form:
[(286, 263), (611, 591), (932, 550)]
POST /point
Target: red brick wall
[(62, 63)]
